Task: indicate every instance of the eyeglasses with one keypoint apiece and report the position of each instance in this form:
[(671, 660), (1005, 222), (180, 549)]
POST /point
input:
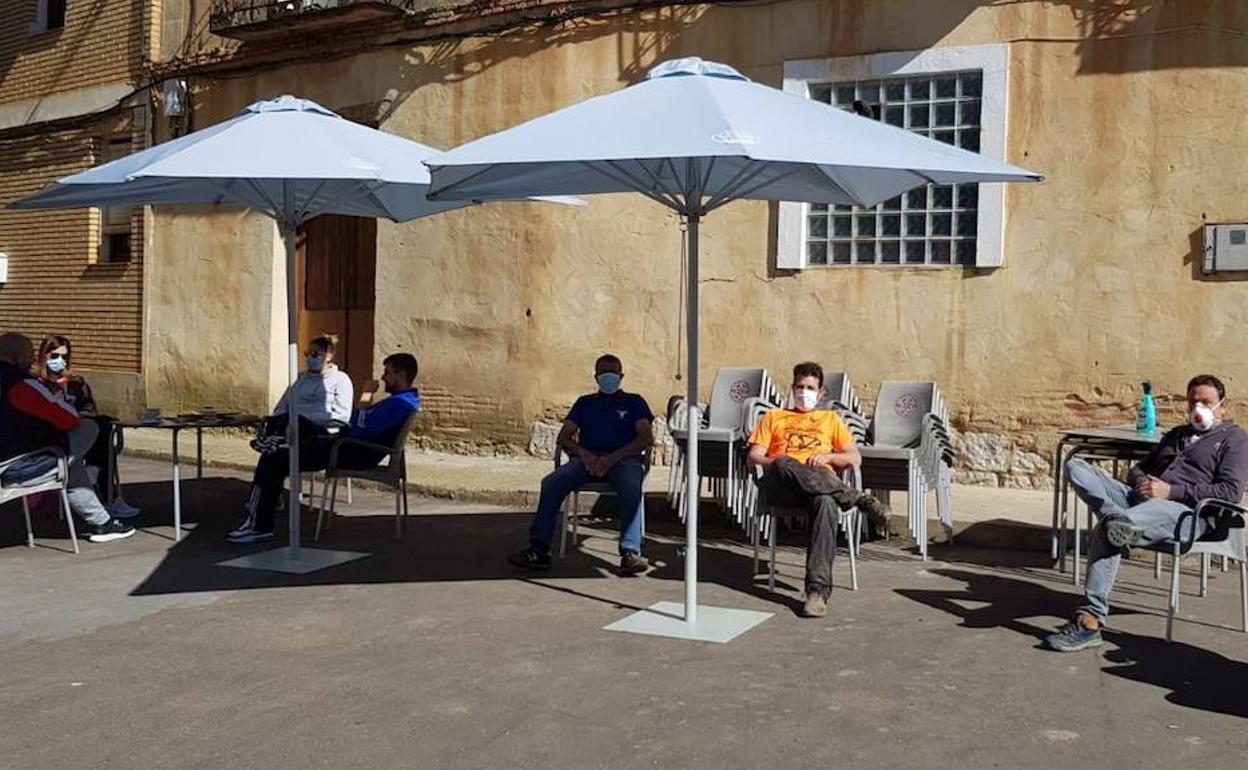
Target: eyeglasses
[(57, 355)]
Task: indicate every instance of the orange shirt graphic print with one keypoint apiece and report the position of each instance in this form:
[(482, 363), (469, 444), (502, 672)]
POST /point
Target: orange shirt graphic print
[(801, 435)]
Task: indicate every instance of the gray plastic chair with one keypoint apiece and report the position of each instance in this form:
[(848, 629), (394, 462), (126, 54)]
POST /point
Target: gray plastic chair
[(844, 399), (392, 474), (54, 480), (1225, 538), (721, 436), (596, 487), (910, 450)]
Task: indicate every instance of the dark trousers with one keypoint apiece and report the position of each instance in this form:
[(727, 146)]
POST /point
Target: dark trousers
[(788, 483), (314, 449), (275, 425)]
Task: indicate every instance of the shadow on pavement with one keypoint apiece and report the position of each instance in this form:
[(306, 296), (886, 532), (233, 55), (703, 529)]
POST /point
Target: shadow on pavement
[(1197, 678), (463, 545)]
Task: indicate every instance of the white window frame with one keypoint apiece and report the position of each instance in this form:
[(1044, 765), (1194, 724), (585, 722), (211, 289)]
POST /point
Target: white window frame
[(993, 60), (111, 217), (40, 24)]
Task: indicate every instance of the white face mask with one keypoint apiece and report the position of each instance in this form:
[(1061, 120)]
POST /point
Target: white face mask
[(805, 400), (1202, 417)]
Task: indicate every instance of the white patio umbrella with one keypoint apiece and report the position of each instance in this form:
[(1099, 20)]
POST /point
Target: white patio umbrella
[(288, 158), (693, 136)]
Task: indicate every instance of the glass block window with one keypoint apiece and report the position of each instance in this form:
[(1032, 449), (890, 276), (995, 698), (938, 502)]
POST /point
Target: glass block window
[(932, 225)]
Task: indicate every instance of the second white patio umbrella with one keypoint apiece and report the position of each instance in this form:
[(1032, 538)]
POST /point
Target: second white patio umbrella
[(288, 158), (693, 136)]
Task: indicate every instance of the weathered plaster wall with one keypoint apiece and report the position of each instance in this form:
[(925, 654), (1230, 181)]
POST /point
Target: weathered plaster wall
[(214, 333), (506, 306)]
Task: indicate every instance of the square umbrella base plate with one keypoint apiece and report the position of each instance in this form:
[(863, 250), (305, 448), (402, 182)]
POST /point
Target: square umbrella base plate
[(714, 624), (280, 560)]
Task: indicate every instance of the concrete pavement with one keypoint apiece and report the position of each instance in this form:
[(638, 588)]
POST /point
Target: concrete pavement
[(434, 653)]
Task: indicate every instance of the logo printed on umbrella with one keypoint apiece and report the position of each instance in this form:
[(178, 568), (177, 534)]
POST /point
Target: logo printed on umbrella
[(733, 136)]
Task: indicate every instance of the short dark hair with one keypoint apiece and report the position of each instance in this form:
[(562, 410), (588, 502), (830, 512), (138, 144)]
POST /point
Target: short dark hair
[(1207, 379), (608, 358), (808, 369), (326, 342), (402, 362)]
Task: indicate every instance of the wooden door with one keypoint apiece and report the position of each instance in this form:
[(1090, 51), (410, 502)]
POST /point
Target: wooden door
[(337, 259)]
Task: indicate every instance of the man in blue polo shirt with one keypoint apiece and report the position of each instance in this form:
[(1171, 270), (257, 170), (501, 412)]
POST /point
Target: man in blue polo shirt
[(605, 434)]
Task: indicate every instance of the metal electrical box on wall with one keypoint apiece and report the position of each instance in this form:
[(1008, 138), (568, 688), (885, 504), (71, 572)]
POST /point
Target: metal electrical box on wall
[(1226, 248)]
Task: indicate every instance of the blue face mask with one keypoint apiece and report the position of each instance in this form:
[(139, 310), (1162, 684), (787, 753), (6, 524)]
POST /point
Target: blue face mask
[(56, 365), (609, 382), (316, 364)]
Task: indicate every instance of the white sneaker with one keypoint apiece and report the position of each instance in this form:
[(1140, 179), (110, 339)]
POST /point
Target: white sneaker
[(123, 510), (247, 526), (251, 536)]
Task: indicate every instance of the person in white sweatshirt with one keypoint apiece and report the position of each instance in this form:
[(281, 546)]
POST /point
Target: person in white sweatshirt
[(323, 398), (323, 394)]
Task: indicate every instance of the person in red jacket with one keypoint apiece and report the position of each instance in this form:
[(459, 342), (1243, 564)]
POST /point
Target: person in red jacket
[(32, 418)]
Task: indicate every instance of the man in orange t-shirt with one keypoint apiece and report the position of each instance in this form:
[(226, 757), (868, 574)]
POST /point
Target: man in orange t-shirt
[(801, 451)]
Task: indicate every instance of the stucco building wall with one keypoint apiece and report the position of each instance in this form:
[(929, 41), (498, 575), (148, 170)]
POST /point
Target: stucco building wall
[(1129, 116)]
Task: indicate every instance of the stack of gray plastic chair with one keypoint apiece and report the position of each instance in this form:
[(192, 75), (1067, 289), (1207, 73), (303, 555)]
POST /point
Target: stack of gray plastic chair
[(844, 399), (755, 525), (721, 437), (762, 517), (909, 449)]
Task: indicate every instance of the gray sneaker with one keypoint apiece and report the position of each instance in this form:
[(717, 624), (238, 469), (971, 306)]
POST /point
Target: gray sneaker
[(816, 605), (633, 563), (1073, 636), (1121, 532), (876, 511)]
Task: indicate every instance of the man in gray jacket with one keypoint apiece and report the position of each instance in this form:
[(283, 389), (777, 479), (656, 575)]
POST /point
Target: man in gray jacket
[(1206, 458)]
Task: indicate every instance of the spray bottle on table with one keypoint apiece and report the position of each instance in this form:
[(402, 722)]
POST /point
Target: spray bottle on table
[(1146, 414)]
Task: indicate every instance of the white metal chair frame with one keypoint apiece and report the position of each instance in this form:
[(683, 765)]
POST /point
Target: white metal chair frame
[(761, 518), (599, 488), (54, 480), (849, 522), (392, 474), (1227, 519), (308, 477)]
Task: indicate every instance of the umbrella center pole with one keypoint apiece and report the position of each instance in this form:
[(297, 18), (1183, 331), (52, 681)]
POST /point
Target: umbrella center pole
[(292, 361), (692, 479)]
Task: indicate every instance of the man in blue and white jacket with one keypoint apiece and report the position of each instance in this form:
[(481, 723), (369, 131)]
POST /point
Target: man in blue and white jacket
[(377, 423)]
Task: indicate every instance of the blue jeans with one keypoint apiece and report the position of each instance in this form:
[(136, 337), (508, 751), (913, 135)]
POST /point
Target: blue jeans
[(625, 477), (1106, 496)]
